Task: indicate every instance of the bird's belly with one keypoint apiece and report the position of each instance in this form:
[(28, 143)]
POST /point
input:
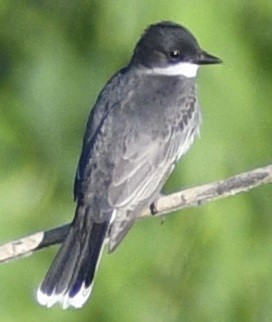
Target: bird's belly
[(188, 141)]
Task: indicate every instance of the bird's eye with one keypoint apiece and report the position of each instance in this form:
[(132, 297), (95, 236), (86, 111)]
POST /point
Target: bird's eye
[(175, 54)]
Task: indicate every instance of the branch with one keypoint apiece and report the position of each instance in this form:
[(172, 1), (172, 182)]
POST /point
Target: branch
[(191, 197)]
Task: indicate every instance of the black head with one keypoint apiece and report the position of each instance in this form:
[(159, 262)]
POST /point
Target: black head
[(167, 43)]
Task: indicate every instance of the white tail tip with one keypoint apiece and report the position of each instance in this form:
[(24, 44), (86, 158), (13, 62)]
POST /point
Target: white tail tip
[(66, 301)]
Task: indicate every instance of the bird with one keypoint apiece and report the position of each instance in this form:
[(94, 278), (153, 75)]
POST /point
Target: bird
[(144, 120)]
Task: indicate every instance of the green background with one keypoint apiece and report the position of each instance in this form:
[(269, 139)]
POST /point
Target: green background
[(212, 263)]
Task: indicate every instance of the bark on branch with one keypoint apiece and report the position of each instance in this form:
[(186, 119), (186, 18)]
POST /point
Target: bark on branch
[(191, 197)]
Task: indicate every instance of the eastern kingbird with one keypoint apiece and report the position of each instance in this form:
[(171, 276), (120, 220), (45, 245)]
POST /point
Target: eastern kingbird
[(145, 118)]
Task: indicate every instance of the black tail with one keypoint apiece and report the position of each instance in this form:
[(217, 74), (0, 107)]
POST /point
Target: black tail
[(70, 278)]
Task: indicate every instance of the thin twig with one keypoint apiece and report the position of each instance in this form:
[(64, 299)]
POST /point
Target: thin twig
[(191, 197)]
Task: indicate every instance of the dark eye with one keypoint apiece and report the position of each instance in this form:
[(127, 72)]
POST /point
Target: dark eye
[(175, 54)]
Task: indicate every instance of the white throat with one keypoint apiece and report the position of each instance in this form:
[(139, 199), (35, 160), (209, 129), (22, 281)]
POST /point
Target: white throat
[(181, 69)]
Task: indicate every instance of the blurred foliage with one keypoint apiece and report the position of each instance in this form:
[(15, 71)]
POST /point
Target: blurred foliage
[(209, 264)]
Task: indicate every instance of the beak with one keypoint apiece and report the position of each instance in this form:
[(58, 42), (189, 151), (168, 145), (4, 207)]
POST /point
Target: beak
[(205, 59)]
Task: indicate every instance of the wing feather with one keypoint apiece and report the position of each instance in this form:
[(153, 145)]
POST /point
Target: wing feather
[(136, 179)]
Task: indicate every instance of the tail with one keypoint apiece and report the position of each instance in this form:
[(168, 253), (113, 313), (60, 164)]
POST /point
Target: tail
[(70, 278)]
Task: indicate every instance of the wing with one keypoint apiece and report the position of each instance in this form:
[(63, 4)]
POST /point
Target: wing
[(140, 171), (95, 122), (138, 179)]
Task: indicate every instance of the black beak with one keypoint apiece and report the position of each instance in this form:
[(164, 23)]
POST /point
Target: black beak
[(205, 59)]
